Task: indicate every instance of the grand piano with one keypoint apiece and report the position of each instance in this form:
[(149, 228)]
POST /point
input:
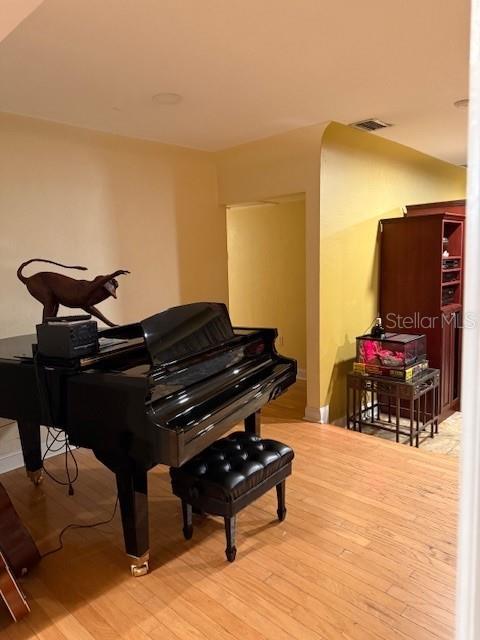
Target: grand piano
[(156, 392)]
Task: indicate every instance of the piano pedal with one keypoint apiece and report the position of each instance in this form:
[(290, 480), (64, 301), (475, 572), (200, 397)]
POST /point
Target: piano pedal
[(36, 477), (140, 566)]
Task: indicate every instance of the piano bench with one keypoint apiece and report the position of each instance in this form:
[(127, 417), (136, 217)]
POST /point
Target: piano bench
[(229, 475)]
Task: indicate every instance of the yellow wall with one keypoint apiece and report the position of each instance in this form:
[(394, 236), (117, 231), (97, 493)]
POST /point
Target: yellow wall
[(276, 166), (266, 271), (108, 202), (363, 178)]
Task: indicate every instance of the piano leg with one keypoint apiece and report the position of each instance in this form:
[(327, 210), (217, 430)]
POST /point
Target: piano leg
[(133, 498), (31, 448), (253, 423)]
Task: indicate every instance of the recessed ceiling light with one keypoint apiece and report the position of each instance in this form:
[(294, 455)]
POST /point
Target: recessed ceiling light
[(167, 98), (461, 104)]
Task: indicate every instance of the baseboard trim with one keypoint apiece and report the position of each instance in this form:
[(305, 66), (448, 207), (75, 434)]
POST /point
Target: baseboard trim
[(312, 414), (301, 374), (14, 459), (11, 461), (317, 414)]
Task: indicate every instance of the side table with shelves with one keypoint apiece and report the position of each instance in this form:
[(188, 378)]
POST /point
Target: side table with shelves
[(383, 402)]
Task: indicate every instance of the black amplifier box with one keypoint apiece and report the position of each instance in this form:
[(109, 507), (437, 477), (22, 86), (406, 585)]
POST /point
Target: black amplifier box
[(67, 338)]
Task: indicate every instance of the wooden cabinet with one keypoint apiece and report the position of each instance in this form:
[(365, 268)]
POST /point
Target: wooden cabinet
[(421, 287)]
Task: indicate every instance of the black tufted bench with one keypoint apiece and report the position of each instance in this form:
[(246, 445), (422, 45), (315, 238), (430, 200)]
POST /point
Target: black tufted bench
[(229, 475)]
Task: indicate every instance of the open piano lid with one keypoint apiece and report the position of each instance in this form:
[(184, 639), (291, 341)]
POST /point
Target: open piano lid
[(179, 331)]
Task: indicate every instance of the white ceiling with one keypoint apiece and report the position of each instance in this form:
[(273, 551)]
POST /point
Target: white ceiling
[(246, 69)]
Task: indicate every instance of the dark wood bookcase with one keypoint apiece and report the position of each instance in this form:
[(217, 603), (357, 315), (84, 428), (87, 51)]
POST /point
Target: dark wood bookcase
[(421, 291)]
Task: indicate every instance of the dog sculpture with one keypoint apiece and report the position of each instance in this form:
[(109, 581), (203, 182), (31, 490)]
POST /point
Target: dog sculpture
[(54, 289)]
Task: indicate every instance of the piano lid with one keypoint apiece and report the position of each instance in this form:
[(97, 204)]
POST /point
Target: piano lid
[(168, 336), (186, 330)]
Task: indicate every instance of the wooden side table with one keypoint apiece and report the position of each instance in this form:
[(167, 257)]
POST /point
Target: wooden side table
[(381, 402)]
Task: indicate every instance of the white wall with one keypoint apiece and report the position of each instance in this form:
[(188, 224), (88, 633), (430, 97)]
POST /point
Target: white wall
[(468, 576)]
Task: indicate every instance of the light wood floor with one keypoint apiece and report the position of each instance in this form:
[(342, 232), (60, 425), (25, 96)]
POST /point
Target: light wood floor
[(367, 551)]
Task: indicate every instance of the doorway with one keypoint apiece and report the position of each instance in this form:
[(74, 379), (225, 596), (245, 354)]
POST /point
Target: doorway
[(266, 270)]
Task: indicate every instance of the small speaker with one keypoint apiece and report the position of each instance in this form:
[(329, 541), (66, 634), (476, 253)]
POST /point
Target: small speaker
[(67, 338)]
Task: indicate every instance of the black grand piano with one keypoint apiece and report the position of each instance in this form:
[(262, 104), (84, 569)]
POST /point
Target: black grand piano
[(156, 392)]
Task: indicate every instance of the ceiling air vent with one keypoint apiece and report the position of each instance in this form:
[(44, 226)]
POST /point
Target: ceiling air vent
[(372, 124)]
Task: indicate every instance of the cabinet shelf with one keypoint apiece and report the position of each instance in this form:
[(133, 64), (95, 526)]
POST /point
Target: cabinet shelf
[(451, 308)]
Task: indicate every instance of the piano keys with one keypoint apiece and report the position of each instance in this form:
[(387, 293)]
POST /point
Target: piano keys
[(157, 392)]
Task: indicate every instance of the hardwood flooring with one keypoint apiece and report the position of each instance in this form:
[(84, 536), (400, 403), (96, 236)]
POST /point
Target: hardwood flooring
[(367, 551)]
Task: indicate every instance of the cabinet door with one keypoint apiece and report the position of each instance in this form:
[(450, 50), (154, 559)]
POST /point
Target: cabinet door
[(448, 364), (451, 360), (457, 360)]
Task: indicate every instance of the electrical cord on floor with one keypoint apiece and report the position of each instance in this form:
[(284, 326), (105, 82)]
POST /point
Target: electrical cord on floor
[(79, 526), (60, 437), (57, 439)]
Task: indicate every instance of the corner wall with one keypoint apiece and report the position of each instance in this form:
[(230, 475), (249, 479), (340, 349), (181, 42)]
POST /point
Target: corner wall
[(281, 165), (364, 178), (14, 12)]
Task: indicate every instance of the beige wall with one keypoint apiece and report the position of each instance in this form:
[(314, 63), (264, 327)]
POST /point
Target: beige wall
[(108, 202), (266, 271), (284, 164), (364, 178)]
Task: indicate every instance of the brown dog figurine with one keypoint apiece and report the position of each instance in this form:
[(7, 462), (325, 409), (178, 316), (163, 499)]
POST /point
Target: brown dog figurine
[(53, 289)]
